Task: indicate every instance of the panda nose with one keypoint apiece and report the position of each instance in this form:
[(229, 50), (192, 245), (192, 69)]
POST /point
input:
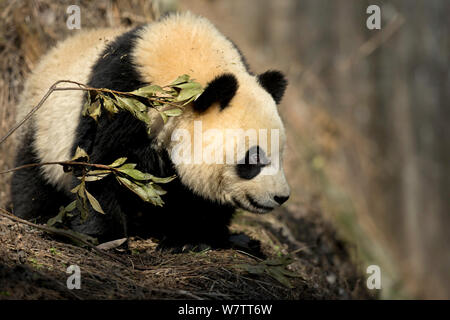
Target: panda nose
[(281, 199)]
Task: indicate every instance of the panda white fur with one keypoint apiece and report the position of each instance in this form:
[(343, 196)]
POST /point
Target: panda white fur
[(199, 204)]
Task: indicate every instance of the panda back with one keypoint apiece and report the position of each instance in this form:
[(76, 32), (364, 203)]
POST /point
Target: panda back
[(54, 125)]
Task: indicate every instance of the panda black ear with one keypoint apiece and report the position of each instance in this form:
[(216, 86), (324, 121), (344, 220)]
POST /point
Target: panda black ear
[(222, 89), (274, 82)]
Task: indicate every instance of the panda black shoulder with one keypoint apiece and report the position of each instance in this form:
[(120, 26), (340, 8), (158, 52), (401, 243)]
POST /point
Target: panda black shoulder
[(114, 68), (122, 135)]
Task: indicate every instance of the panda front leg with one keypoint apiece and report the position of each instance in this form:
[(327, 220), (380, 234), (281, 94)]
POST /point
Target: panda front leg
[(32, 196), (189, 238), (108, 226), (219, 238), (196, 224)]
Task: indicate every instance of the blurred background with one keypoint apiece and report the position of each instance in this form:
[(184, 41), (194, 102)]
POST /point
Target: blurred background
[(366, 112)]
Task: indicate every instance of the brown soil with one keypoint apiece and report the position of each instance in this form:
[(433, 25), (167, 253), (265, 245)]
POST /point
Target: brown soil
[(33, 266)]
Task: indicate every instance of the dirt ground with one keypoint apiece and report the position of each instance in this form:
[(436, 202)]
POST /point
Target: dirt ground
[(305, 257), (33, 265)]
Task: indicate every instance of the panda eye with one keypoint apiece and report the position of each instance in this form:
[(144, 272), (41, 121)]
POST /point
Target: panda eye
[(251, 165), (256, 156)]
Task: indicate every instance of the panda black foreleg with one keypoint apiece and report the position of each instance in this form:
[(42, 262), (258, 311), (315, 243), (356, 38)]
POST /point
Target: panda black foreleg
[(220, 240), (32, 196), (196, 224), (108, 226)]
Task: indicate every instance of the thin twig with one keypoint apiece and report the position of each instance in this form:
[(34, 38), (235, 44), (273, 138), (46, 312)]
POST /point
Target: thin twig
[(249, 255), (36, 108), (62, 163), (81, 87)]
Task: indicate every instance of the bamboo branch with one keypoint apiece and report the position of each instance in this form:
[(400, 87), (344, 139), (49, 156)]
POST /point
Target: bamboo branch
[(81, 87), (62, 163), (36, 108)]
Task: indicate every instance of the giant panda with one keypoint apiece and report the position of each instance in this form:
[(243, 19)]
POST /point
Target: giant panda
[(200, 202)]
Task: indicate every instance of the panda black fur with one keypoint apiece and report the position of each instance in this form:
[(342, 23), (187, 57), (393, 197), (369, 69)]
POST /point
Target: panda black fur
[(194, 211)]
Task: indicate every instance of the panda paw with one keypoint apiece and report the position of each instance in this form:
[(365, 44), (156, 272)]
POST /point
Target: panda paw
[(240, 241), (165, 246), (236, 241)]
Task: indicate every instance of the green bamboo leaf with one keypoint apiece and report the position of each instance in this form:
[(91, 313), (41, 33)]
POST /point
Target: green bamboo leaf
[(128, 166), (148, 91), (71, 206), (278, 275), (187, 94), (153, 195), (109, 105), (137, 109), (81, 190), (75, 190), (84, 112), (134, 187), (289, 273), (58, 219), (95, 110), (273, 262), (80, 154), (280, 261), (98, 172), (163, 179), (96, 177), (253, 269), (141, 176), (145, 192), (163, 116), (159, 191), (118, 162), (173, 112), (189, 85), (189, 101), (62, 214), (82, 207), (82, 201), (86, 104), (140, 106), (180, 79), (94, 203), (130, 104), (125, 103), (136, 174)]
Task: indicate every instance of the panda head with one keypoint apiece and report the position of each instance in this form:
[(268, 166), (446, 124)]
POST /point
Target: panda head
[(228, 145)]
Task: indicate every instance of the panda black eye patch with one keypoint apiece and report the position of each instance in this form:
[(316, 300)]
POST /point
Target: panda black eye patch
[(249, 167)]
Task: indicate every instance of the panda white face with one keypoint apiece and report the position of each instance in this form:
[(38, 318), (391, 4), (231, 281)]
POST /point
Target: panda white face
[(260, 185), (231, 150), (255, 183)]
